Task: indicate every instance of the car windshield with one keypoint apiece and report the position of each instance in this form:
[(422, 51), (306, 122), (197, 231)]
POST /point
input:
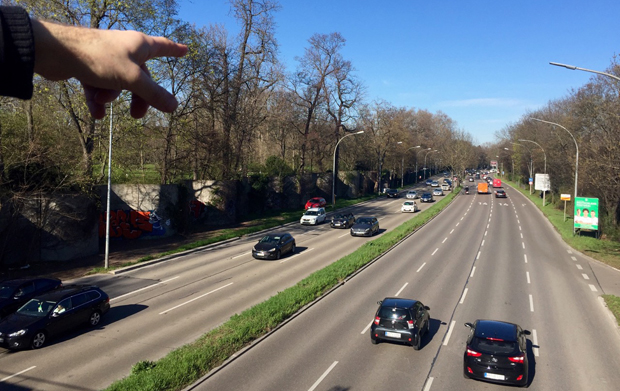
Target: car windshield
[(6, 291), (409, 203), (394, 313), (270, 239), (311, 213), (36, 308), (364, 220), (426, 195), (489, 346), (340, 217)]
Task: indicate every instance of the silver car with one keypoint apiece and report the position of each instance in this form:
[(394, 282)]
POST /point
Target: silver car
[(412, 195)]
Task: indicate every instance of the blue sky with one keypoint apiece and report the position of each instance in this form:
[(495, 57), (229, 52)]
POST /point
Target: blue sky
[(482, 62)]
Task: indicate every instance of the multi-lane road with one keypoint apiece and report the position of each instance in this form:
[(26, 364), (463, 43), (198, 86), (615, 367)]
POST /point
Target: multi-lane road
[(481, 258), (160, 307)]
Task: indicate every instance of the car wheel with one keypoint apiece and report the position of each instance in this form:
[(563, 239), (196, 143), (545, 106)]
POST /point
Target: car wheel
[(38, 340), (374, 341), (278, 254), (293, 249), (94, 319), (418, 343)]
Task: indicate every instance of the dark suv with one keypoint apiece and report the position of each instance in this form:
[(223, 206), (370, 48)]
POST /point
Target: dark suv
[(400, 320), (53, 313), (392, 193)]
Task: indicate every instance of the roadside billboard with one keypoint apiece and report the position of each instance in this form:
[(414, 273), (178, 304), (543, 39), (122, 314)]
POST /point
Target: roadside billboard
[(586, 213), (542, 182)]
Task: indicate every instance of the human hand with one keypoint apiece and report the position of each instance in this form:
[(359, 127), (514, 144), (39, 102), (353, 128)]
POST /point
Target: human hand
[(106, 62)]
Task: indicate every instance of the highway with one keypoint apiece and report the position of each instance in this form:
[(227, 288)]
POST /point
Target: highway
[(482, 258), (163, 306)]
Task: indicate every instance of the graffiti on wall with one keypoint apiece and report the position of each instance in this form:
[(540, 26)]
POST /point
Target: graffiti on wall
[(197, 209), (131, 224)]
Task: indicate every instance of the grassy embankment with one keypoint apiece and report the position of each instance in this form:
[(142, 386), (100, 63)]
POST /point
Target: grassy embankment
[(188, 363), (606, 251)]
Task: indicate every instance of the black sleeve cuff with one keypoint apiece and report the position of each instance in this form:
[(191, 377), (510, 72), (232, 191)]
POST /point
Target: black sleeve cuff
[(16, 53)]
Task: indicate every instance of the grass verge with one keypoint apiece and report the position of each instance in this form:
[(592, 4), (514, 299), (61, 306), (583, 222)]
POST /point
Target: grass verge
[(188, 363), (613, 303)]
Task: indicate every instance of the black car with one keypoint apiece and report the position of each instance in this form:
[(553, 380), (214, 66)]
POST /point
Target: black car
[(342, 220), (500, 194), (400, 320), (365, 226), (273, 246), (15, 293), (392, 193), (497, 352), (51, 314), (427, 197)]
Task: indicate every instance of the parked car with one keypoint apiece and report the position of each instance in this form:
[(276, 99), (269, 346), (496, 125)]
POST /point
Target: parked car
[(392, 193), (365, 226), (438, 192), (342, 220), (316, 202), (15, 293), (412, 194), (496, 351), (409, 206), (400, 320), (53, 313), (434, 184), (500, 194), (313, 216), (273, 246), (427, 197)]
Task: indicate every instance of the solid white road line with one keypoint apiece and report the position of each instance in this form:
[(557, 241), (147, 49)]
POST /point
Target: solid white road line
[(463, 297), (401, 289), (429, 383), (17, 374), (316, 384), (445, 342), (535, 341), (435, 251), (528, 277), (473, 270), (531, 303), (141, 289), (420, 268), (195, 298), (585, 276), (241, 255), (367, 327), (593, 288), (444, 240), (342, 236), (579, 267), (525, 256)]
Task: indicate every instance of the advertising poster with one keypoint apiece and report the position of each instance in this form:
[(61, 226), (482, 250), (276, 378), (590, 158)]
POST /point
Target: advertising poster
[(586, 213)]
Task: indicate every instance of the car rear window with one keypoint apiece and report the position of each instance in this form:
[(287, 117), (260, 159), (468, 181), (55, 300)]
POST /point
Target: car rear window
[(488, 346), (394, 313), (6, 291)]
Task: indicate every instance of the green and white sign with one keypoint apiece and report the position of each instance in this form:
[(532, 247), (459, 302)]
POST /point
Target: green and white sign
[(586, 213)]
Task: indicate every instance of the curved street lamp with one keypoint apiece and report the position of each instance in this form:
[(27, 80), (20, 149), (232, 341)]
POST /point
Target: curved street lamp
[(572, 67), (530, 141), (576, 148), (425, 161), (402, 166), (416, 163), (334, 167)]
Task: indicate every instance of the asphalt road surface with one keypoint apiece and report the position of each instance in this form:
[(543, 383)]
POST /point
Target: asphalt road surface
[(160, 307)]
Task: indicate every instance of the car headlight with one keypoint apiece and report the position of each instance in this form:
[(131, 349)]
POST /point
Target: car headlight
[(18, 333), (272, 250)]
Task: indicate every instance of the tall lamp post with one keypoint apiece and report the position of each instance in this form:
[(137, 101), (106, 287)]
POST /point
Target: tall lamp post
[(416, 163), (334, 167), (541, 148), (513, 165), (107, 222), (425, 161), (402, 166), (576, 148), (572, 67)]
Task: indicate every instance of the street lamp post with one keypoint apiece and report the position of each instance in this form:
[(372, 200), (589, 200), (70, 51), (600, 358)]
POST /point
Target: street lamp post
[(334, 168), (106, 257), (576, 148), (541, 148), (572, 67), (416, 163), (425, 161), (402, 165)]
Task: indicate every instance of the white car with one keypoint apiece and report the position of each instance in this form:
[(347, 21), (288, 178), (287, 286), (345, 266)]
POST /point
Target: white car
[(313, 216), (409, 206), (434, 184), (438, 192), (445, 187), (412, 195)]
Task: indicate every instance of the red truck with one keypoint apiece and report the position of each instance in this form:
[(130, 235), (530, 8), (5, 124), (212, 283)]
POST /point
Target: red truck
[(497, 182)]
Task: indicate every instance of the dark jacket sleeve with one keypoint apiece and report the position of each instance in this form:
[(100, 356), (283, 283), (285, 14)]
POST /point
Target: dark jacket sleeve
[(16, 53)]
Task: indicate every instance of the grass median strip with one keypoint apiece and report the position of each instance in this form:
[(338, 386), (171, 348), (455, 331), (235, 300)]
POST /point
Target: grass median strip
[(188, 363)]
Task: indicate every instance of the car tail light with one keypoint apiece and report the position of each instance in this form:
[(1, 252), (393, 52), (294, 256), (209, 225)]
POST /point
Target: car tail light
[(520, 377), (473, 353), (495, 339), (469, 370), (377, 319), (518, 359), (410, 324)]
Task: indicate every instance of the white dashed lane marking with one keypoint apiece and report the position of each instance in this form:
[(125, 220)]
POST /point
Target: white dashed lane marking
[(473, 270), (585, 276)]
